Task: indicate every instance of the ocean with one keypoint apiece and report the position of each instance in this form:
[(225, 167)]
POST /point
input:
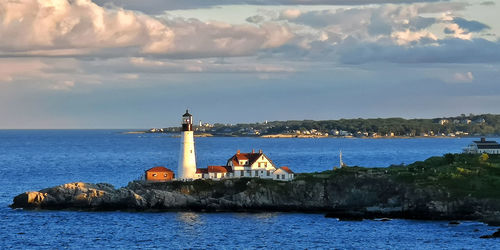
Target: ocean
[(36, 159)]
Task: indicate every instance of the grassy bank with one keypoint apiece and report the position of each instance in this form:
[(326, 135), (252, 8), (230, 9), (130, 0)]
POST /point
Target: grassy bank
[(460, 174)]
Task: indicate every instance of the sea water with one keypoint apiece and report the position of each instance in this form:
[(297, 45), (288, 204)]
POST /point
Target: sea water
[(36, 159)]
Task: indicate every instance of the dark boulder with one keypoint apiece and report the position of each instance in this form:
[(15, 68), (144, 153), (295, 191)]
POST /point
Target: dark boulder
[(494, 235)]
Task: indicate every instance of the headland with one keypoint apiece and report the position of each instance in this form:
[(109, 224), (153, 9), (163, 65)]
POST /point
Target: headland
[(451, 187)]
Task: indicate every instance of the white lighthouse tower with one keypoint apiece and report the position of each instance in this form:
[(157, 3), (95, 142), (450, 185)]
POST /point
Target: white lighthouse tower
[(187, 159)]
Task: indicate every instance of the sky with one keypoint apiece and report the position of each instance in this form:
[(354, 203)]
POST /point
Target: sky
[(85, 64)]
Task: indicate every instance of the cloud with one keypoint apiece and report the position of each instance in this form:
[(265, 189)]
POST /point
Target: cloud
[(81, 28), (455, 30), (376, 20), (461, 27), (470, 25), (290, 14), (390, 33), (130, 76), (487, 3), (255, 19), (63, 85), (463, 77), (97, 44), (160, 6), (195, 39), (407, 36), (162, 66), (60, 27), (12, 70), (370, 23), (452, 50)]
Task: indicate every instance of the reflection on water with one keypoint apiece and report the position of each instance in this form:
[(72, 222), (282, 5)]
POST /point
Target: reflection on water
[(258, 216), (189, 218), (190, 224)]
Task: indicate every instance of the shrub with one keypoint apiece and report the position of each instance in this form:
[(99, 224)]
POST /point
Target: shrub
[(484, 157)]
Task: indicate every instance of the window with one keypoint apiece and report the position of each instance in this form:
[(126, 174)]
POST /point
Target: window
[(242, 173), (283, 176), (165, 175), (278, 176), (268, 173), (154, 174), (256, 173)]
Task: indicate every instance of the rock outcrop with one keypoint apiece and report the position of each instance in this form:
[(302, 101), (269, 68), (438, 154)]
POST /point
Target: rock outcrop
[(341, 197), (494, 235)]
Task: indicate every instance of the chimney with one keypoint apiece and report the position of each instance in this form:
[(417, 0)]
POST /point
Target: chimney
[(253, 151), (483, 139), (238, 152), (260, 151)]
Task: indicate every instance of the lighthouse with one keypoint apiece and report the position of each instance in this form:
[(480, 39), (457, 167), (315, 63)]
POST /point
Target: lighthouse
[(187, 159)]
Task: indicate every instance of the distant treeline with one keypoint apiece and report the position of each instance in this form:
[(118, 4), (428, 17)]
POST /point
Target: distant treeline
[(472, 124), (485, 124)]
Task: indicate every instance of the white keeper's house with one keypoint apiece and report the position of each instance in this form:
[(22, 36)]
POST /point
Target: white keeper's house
[(254, 164), (483, 146)]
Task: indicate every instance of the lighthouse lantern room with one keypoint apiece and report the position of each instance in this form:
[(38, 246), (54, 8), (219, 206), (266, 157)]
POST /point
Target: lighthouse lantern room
[(187, 158)]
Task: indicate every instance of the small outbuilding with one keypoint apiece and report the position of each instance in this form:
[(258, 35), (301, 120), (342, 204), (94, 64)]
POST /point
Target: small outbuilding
[(212, 172), (159, 174), (283, 174)]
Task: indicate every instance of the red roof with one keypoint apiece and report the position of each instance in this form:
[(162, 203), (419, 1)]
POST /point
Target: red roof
[(201, 170), (251, 157), (287, 169), (217, 169), (159, 169)]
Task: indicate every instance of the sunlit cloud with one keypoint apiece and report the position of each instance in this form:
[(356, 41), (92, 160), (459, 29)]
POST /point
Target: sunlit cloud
[(81, 28)]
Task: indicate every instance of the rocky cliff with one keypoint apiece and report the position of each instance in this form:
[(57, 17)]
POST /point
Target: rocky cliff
[(364, 196)]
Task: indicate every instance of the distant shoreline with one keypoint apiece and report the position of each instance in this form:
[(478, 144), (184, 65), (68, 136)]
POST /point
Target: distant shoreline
[(284, 136)]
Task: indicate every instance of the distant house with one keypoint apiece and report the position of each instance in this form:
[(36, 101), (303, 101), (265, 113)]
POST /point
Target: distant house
[(159, 174), (254, 164), (480, 120), (483, 146), (443, 121)]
